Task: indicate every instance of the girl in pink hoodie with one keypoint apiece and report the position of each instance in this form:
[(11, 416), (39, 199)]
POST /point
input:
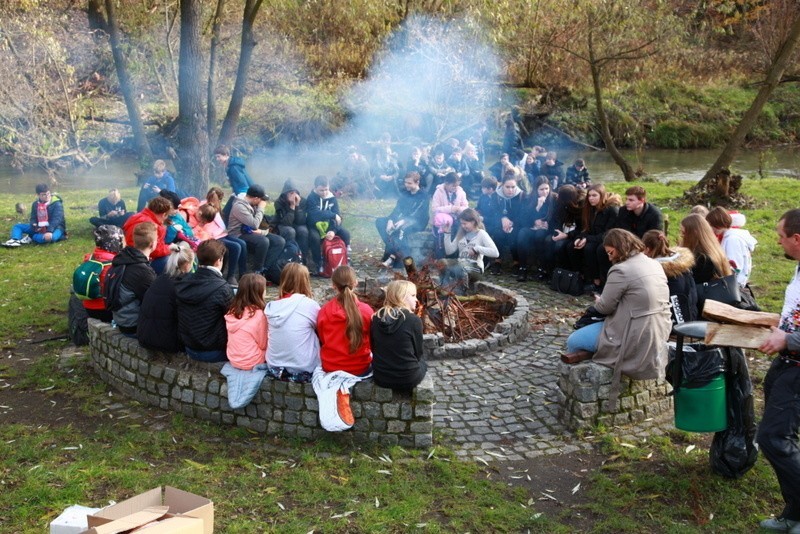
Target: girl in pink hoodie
[(247, 324)]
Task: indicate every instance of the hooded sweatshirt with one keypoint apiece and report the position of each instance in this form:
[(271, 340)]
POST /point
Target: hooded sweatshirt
[(335, 347), (397, 357), (293, 341), (203, 299), (237, 175), (247, 339), (739, 245), (506, 206)]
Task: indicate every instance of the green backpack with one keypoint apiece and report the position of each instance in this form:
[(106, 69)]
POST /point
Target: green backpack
[(86, 279)]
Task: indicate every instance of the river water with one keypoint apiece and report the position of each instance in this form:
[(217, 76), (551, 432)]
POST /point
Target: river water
[(272, 169)]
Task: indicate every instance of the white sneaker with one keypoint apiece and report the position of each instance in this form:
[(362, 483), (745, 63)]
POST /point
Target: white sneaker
[(779, 524), (26, 240), (12, 243)]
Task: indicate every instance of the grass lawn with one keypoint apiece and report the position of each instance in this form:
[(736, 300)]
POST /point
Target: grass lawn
[(78, 442)]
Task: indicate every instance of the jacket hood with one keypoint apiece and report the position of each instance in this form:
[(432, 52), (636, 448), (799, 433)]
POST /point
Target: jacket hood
[(679, 262), (744, 235), (234, 325), (130, 256), (288, 186), (279, 311), (390, 325), (236, 161), (502, 194)]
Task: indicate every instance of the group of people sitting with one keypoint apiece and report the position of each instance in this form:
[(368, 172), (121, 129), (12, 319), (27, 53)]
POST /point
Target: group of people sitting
[(194, 310)]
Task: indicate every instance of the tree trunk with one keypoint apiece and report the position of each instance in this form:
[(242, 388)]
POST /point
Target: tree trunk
[(193, 155), (211, 115), (231, 121), (605, 131), (126, 86), (774, 76)]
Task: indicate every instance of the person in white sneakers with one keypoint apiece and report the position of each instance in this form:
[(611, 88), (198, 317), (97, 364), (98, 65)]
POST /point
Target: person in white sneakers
[(47, 223)]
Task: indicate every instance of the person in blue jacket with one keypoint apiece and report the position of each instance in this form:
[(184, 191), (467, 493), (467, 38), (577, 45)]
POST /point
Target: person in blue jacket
[(234, 169), (47, 223), (161, 179)]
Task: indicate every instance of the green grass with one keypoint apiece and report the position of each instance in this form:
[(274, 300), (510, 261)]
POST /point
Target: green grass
[(267, 484)]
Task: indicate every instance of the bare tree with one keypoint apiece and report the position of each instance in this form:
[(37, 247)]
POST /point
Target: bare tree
[(231, 121), (193, 155), (780, 62), (211, 114)]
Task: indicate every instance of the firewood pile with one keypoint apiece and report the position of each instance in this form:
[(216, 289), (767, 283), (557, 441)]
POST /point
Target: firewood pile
[(458, 317)]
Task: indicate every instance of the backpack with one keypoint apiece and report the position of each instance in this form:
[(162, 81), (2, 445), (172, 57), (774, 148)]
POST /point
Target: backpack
[(77, 321), (291, 253), (112, 287), (334, 254), (86, 279)]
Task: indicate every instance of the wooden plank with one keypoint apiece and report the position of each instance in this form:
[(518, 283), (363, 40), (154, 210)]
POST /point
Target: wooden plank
[(730, 335), (717, 311)]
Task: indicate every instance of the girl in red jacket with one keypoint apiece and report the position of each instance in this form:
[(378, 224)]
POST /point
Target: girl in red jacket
[(343, 327), (247, 324)]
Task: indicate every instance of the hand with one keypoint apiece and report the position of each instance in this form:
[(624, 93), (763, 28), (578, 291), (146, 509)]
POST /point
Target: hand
[(580, 243), (330, 235), (540, 202), (776, 342), (262, 204), (265, 231), (508, 225), (389, 226), (156, 189), (112, 213), (338, 220), (559, 235)]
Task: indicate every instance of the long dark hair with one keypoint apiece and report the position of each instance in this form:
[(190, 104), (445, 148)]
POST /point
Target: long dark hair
[(250, 295), (590, 211)]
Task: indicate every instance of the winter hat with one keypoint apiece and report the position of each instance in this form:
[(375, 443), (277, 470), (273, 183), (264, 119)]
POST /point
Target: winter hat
[(109, 237)]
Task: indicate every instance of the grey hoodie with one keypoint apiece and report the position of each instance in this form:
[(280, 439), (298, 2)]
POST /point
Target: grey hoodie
[(292, 328)]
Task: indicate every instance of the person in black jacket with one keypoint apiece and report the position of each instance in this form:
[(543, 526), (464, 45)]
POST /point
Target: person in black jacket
[(638, 216), (554, 170), (578, 175), (158, 315), (112, 210), (586, 252), (677, 263), (536, 227), (395, 335), (324, 219), (136, 278), (291, 217), (409, 215), (569, 206), (203, 298), (508, 203)]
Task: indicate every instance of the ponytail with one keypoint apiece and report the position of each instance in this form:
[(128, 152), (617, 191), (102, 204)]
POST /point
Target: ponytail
[(344, 279)]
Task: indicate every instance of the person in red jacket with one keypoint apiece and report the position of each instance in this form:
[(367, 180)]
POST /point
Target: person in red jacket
[(343, 327), (157, 211)]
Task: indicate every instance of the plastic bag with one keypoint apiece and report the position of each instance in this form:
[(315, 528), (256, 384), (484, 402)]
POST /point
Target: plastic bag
[(734, 451), (700, 364)]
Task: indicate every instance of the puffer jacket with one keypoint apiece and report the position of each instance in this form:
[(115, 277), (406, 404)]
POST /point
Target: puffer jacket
[(203, 298), (134, 284), (682, 291)]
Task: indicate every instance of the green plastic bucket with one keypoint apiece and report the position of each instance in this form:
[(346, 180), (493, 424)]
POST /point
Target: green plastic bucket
[(703, 409)]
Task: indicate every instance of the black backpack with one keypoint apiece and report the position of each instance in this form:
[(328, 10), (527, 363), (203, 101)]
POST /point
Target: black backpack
[(112, 287), (291, 253)]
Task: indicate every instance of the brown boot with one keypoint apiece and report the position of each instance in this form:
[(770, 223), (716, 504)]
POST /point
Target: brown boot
[(577, 356)]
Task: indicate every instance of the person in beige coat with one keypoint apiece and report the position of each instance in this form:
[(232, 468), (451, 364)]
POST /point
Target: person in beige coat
[(632, 339)]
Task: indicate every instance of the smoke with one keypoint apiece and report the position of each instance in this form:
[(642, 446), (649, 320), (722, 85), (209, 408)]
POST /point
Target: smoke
[(432, 80)]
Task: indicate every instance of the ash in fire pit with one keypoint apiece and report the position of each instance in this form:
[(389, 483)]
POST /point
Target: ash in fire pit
[(446, 304)]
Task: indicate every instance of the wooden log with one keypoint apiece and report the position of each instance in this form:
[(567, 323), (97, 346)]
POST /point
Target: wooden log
[(717, 311), (732, 335)]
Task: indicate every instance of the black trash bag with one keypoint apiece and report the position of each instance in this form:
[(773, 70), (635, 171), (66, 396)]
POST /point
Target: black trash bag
[(77, 321), (734, 451), (699, 366)]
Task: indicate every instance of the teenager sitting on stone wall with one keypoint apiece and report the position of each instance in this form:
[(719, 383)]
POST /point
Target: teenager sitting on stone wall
[(138, 275)]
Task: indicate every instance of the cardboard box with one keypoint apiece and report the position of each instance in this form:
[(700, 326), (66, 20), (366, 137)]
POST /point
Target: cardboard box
[(166, 502)]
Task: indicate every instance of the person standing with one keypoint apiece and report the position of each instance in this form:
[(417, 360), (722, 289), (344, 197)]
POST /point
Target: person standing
[(234, 169), (777, 432)]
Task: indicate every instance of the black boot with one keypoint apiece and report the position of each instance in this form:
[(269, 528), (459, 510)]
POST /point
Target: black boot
[(522, 274)]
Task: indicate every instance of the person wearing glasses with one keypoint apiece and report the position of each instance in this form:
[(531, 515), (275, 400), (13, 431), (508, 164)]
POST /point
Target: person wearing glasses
[(47, 223)]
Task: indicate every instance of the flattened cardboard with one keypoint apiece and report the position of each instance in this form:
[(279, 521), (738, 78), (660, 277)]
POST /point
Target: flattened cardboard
[(131, 521), (181, 503)]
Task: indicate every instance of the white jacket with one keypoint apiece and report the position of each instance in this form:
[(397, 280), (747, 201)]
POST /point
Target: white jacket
[(292, 327), (739, 245)]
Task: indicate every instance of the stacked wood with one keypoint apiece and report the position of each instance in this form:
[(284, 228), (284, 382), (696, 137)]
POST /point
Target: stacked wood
[(737, 328)]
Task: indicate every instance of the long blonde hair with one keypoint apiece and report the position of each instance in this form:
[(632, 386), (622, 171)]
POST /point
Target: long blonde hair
[(344, 280), (396, 293), (698, 236)]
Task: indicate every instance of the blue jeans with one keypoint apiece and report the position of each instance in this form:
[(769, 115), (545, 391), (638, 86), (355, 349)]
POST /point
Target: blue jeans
[(585, 338), (24, 228), (207, 355)]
